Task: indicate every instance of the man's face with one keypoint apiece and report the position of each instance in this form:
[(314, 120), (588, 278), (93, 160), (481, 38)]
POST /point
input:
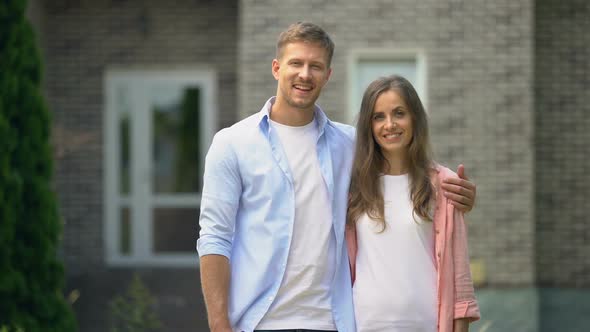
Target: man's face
[(301, 73)]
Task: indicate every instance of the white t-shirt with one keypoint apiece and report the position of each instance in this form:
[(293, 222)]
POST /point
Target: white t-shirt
[(303, 300), (395, 286)]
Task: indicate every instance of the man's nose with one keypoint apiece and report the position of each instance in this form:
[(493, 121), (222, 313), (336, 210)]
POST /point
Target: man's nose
[(305, 72)]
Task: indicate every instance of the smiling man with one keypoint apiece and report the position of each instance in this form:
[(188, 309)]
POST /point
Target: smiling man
[(273, 210)]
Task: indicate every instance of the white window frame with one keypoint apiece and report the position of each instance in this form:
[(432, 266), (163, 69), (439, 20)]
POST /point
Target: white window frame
[(141, 239), (385, 54)]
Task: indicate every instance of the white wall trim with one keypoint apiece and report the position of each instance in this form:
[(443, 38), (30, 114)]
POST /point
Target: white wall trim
[(385, 54), (142, 253)]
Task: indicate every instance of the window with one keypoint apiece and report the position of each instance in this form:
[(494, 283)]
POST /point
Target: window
[(158, 127), (367, 65)]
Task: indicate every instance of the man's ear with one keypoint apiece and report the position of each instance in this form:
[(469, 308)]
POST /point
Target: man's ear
[(275, 68), (329, 74)]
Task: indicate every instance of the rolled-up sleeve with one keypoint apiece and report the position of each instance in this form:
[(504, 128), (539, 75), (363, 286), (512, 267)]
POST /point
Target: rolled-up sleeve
[(465, 302), (220, 198)]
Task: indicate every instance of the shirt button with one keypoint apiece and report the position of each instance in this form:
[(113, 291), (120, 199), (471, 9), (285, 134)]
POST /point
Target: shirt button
[(437, 231)]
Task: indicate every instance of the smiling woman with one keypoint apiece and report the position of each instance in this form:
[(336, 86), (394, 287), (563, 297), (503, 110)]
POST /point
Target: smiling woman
[(392, 129), (398, 217)]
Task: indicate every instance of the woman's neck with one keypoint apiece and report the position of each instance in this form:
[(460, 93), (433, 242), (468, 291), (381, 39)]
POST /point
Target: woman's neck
[(398, 165)]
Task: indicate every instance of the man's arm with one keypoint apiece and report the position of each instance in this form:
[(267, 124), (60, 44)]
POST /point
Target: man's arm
[(460, 191), (215, 284), (222, 188)]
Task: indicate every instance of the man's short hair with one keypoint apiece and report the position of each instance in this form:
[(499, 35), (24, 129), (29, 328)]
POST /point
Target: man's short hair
[(305, 32)]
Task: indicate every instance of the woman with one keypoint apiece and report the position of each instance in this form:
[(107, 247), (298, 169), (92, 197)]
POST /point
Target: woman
[(407, 243)]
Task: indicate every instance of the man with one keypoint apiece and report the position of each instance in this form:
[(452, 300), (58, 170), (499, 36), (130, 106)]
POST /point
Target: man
[(273, 208)]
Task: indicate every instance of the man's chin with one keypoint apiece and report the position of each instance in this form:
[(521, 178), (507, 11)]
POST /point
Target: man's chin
[(303, 105)]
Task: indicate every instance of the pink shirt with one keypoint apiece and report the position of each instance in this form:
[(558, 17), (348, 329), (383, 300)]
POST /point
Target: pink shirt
[(456, 297)]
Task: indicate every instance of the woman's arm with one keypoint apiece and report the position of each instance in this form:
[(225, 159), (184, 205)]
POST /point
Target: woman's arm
[(461, 325), (465, 302)]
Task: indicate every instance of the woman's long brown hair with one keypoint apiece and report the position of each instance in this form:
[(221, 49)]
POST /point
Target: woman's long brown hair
[(366, 195)]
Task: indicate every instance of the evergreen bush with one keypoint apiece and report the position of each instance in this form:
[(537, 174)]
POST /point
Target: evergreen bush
[(31, 276)]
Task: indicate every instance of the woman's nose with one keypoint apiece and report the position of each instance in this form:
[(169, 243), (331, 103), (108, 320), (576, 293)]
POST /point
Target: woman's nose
[(390, 122)]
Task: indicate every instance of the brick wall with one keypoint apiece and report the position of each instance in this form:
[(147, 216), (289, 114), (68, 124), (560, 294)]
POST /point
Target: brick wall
[(480, 96), (562, 85), (35, 16), (497, 73), (82, 39)]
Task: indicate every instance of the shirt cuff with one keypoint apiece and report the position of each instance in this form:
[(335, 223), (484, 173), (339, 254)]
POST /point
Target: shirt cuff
[(204, 248), (467, 309)]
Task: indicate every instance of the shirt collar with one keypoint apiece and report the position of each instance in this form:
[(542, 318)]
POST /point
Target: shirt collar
[(264, 116)]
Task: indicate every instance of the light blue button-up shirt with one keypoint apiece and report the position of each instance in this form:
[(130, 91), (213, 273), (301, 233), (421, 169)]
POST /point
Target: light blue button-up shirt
[(247, 212)]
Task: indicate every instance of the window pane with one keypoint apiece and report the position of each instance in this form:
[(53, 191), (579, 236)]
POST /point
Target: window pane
[(175, 229), (123, 110), (176, 142), (125, 231), (369, 70)]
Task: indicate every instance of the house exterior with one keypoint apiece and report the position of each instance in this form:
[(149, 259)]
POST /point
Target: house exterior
[(138, 88)]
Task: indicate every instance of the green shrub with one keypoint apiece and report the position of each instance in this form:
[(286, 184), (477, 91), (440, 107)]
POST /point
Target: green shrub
[(31, 276), (134, 311), (5, 328)]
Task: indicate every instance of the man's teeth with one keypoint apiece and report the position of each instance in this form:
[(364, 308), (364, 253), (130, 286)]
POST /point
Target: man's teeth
[(306, 88)]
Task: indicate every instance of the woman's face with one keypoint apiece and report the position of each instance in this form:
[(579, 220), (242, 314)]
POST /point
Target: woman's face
[(392, 124)]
